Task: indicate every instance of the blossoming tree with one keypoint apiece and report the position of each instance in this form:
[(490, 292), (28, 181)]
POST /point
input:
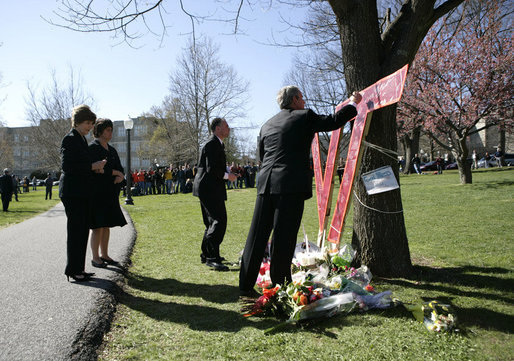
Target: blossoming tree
[(462, 75)]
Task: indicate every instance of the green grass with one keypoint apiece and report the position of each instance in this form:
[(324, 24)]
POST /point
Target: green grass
[(174, 308), (28, 205)]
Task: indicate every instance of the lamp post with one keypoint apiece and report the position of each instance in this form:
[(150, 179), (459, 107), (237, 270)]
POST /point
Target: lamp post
[(128, 124)]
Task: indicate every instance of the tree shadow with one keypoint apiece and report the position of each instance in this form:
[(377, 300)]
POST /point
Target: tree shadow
[(196, 317), (453, 282), (218, 293)]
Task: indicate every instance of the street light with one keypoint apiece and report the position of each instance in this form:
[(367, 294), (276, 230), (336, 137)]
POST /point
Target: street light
[(128, 124)]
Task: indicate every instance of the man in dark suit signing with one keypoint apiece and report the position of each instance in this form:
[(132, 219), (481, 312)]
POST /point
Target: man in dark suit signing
[(209, 186), (284, 183)]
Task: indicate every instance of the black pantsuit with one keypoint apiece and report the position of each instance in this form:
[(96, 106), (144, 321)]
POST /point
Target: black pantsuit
[(77, 229), (75, 192), (284, 182)]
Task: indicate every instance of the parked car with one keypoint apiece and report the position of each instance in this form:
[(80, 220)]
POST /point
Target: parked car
[(491, 162), (509, 159), (452, 166), (432, 165), (455, 166)]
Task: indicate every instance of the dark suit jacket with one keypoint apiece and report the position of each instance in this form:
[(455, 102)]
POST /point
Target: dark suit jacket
[(284, 149), (6, 184), (209, 183), (76, 177)]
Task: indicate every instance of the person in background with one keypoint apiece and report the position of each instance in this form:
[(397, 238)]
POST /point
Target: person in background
[(16, 186), (34, 183), (6, 189), (106, 192), (416, 163), (487, 158), (26, 184), (499, 157), (75, 190), (440, 164), (474, 158), (167, 179), (49, 182)]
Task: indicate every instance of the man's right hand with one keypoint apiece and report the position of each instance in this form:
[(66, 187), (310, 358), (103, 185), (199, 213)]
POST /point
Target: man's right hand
[(356, 97)]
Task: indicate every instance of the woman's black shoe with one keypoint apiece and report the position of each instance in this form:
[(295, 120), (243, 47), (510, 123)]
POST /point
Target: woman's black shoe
[(98, 265), (79, 278), (110, 261)]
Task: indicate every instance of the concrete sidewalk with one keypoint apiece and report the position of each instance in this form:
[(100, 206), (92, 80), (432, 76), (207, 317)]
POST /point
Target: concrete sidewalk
[(42, 316)]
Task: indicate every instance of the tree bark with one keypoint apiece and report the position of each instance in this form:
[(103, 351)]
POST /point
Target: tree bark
[(465, 174), (411, 147)]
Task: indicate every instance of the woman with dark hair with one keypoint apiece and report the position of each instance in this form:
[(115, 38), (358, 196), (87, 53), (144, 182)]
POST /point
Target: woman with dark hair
[(75, 189), (106, 211)]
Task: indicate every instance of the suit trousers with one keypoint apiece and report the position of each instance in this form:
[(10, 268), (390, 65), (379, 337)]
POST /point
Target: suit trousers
[(214, 216), (6, 199), (77, 213), (282, 214)]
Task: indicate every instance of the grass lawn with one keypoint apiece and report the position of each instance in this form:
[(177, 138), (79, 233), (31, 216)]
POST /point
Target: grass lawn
[(28, 205), (461, 241)]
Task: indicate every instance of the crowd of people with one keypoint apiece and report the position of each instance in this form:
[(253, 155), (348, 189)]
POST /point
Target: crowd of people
[(179, 178)]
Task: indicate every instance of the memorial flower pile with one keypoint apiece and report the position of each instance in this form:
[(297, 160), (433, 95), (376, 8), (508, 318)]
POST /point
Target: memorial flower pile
[(324, 284)]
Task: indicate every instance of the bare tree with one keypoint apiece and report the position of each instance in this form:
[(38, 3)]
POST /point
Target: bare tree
[(170, 141), (49, 112), (205, 88)]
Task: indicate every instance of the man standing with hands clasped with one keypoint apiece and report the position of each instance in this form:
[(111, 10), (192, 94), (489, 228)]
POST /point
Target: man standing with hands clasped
[(284, 183), (209, 186)]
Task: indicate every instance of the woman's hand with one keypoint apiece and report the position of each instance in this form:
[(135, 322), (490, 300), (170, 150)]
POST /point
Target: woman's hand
[(118, 179), (96, 166), (117, 173)]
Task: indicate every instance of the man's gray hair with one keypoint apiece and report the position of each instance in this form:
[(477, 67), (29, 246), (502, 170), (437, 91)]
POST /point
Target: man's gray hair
[(285, 96)]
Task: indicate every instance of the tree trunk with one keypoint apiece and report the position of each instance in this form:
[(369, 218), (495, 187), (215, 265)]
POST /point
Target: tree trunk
[(411, 147), (464, 167), (379, 234)]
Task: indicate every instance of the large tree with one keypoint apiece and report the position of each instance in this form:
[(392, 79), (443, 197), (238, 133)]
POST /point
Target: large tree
[(371, 49), (49, 111), (463, 75)]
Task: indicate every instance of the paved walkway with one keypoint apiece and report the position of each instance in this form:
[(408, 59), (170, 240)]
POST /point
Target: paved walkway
[(42, 316)]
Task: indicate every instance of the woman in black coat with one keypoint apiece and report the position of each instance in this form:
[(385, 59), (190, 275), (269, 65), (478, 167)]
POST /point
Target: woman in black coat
[(106, 210), (75, 189)]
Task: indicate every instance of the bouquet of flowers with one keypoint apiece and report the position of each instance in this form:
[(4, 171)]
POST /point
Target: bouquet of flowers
[(323, 286), (436, 317)]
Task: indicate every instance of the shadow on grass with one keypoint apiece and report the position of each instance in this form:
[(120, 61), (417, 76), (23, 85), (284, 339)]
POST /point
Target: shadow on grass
[(464, 282), (169, 286), (496, 185)]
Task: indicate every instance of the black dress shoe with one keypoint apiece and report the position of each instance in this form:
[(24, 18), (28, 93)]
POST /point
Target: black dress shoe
[(203, 259), (217, 266)]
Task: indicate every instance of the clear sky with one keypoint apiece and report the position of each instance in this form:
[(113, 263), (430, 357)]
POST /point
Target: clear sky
[(124, 80)]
